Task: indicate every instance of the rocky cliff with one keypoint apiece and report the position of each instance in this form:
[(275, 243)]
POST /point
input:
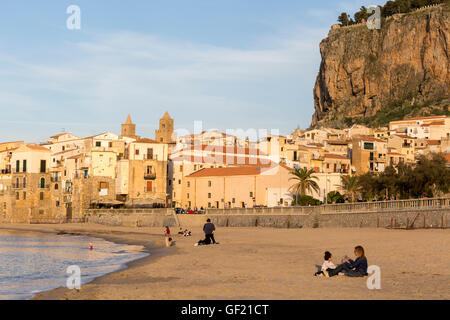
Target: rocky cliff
[(375, 76)]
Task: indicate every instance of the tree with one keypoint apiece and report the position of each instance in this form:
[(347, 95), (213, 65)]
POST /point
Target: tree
[(344, 19), (361, 15), (305, 181), (351, 185), (335, 197)]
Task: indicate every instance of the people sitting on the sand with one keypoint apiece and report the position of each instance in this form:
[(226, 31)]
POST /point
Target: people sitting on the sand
[(181, 231), (187, 233), (208, 229), (327, 264), (356, 268)]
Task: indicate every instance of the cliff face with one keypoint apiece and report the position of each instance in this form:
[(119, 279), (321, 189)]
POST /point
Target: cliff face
[(367, 76)]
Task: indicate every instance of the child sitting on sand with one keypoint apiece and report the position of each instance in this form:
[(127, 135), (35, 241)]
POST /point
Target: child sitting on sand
[(327, 264)]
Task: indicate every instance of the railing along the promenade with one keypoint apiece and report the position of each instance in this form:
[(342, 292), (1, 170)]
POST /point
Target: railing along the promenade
[(357, 207), (382, 206)]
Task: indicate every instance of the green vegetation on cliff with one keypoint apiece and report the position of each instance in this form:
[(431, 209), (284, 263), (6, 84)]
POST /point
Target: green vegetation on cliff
[(389, 9)]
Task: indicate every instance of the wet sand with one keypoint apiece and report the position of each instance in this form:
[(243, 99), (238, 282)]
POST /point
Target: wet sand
[(262, 263)]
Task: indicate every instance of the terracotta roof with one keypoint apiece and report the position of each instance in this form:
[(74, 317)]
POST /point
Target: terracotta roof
[(369, 138), (37, 147), (233, 160), (62, 152), (128, 121), (230, 171), (447, 156), (420, 118), (403, 136), (338, 142), (335, 156), (437, 123), (75, 156), (434, 142), (145, 140), (60, 135), (11, 142)]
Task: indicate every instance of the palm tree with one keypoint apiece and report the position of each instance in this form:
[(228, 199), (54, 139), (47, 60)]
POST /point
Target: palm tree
[(305, 181), (351, 185)]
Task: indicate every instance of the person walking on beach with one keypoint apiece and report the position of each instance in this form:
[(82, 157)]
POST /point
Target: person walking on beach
[(350, 268)]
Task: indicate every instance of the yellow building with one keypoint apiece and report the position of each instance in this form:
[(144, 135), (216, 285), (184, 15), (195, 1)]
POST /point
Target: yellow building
[(404, 145), (258, 186), (368, 154)]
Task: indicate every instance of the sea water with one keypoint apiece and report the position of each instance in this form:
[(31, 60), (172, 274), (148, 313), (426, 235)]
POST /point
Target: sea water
[(32, 263)]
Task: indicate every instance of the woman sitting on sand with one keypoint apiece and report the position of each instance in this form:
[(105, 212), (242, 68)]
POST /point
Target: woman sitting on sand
[(350, 268)]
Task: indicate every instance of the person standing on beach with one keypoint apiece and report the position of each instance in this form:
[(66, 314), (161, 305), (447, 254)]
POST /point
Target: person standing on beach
[(209, 229), (167, 236)]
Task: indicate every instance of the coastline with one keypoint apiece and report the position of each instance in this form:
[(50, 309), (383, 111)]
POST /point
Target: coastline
[(154, 247), (263, 264)]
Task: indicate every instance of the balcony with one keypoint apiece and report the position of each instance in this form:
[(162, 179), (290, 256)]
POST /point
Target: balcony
[(150, 176), (56, 179), (5, 171), (19, 185), (44, 187)]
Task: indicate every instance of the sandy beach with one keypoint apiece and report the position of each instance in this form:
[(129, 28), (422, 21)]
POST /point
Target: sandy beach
[(262, 263)]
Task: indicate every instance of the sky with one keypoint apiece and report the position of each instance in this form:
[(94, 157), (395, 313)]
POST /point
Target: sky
[(247, 64)]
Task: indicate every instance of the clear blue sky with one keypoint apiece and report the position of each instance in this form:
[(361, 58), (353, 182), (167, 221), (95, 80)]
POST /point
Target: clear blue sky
[(230, 63)]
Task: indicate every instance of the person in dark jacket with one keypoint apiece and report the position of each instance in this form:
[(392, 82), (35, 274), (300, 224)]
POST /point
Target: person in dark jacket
[(208, 229), (356, 268)]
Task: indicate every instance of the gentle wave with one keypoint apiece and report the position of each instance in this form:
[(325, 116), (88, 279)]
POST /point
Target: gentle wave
[(30, 264)]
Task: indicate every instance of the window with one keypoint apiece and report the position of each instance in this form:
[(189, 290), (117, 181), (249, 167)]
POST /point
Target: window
[(56, 186), (209, 204), (57, 203), (110, 144), (43, 166), (41, 196), (187, 196), (18, 166), (188, 184), (137, 152), (368, 146), (24, 166), (179, 181), (42, 183), (41, 211), (149, 169), (209, 195), (17, 196), (98, 144), (233, 200), (251, 194), (209, 183), (150, 153), (103, 185)]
